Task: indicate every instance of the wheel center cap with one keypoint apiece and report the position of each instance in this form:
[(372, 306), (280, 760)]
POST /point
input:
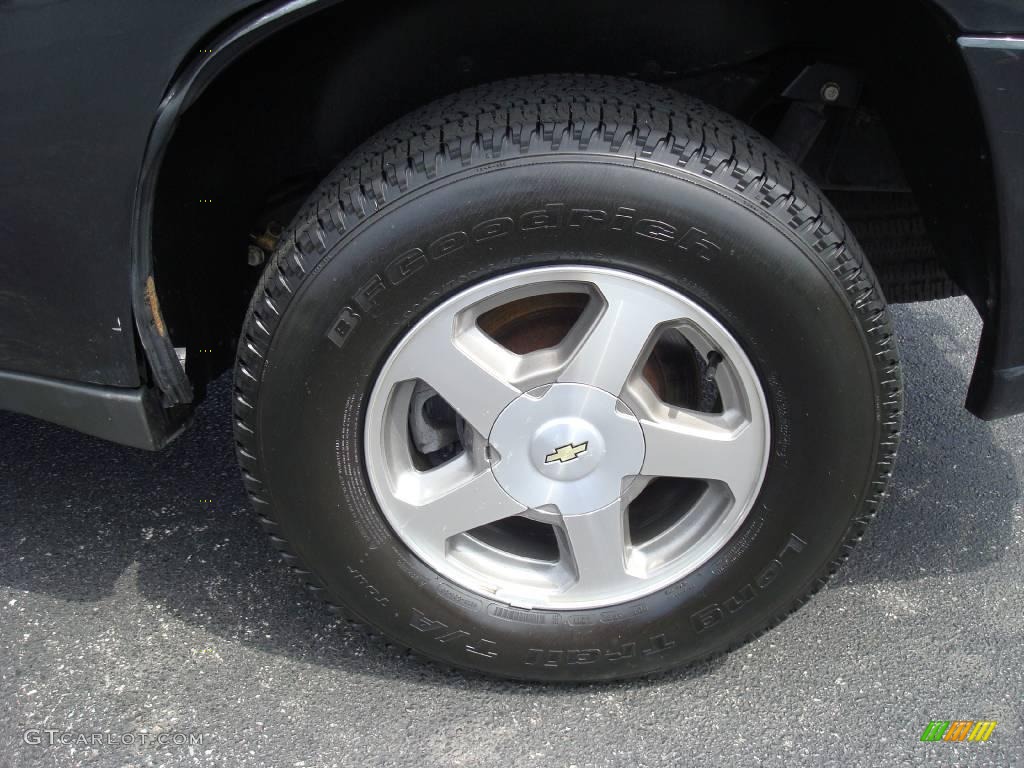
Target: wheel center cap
[(567, 448), (570, 446)]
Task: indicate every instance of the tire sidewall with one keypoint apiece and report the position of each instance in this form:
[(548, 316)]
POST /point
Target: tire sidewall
[(772, 289)]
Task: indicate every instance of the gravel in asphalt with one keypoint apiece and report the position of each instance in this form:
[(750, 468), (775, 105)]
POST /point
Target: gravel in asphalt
[(137, 596)]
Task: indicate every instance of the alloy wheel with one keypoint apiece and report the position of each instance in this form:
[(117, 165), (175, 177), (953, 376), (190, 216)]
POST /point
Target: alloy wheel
[(605, 454)]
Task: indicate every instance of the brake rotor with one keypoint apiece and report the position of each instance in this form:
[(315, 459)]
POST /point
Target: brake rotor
[(540, 322)]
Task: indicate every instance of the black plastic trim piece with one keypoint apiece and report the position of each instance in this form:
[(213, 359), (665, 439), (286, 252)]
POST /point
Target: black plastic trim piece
[(192, 80), (1003, 393), (132, 417), (996, 66)]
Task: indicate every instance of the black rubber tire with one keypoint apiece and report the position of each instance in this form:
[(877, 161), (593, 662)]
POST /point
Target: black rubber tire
[(710, 209)]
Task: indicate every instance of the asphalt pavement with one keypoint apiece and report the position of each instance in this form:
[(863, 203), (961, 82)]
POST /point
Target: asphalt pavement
[(145, 621)]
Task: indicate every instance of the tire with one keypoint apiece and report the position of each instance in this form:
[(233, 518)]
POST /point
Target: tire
[(607, 177)]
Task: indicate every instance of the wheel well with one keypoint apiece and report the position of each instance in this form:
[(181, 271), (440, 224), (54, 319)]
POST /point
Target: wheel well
[(283, 114)]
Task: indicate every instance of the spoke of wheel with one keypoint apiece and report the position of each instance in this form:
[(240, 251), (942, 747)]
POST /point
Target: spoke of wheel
[(612, 349), (597, 542), (457, 374), (433, 506), (691, 444)]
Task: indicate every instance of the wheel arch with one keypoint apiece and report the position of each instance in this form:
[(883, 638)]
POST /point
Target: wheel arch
[(208, 60), (251, 124)]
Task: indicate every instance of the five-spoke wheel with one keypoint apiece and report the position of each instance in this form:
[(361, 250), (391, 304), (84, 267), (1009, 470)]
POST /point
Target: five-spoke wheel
[(567, 378), (568, 430)]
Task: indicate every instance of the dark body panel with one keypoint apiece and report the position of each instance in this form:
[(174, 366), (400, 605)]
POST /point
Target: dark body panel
[(90, 91), (80, 84), (996, 17)]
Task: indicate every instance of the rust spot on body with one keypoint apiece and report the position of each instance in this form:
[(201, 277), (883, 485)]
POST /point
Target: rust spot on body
[(154, 307)]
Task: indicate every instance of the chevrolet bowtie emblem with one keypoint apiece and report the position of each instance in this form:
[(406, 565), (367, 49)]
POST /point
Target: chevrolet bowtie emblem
[(566, 453)]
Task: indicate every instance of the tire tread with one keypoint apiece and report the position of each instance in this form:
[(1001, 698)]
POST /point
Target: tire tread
[(562, 113)]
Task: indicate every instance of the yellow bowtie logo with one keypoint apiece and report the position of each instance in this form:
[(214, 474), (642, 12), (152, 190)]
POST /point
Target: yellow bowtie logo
[(566, 453)]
